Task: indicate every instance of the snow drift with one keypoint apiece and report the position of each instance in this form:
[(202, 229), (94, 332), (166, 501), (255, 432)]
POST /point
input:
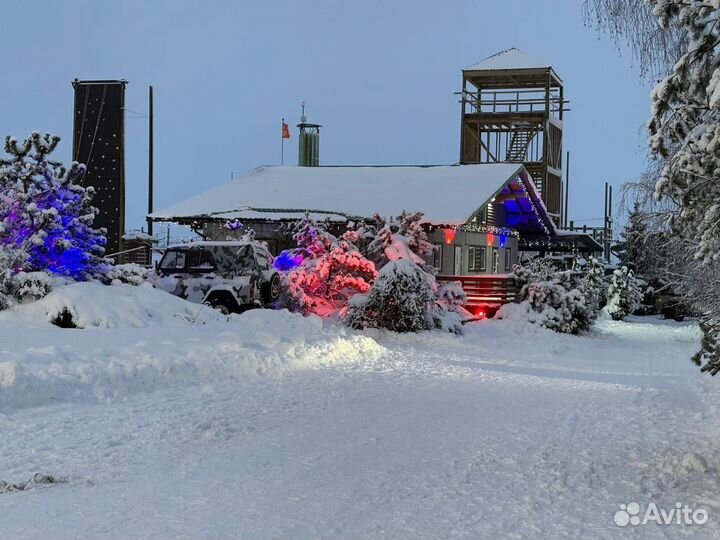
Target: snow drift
[(92, 304), (138, 339)]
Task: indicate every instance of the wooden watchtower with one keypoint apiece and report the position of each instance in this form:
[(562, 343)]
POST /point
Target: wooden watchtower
[(512, 110)]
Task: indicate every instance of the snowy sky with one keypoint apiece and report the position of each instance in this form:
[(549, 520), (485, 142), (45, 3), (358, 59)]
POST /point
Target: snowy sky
[(379, 75)]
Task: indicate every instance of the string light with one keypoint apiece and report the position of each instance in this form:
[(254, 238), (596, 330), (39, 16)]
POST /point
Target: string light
[(478, 228)]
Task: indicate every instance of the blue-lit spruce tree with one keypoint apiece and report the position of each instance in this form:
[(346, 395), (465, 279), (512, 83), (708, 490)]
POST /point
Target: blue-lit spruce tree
[(46, 216)]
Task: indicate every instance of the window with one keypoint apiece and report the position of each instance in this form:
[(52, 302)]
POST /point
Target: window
[(437, 256), (508, 259), (200, 260), (495, 260), (476, 258), (173, 260)]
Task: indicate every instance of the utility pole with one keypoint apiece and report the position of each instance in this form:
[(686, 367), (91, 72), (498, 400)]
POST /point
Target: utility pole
[(150, 162), (282, 143), (567, 189)]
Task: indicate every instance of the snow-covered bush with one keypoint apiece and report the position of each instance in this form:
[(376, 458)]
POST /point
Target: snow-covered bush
[(12, 261), (451, 294), (548, 298), (401, 299), (624, 294), (538, 269), (45, 212), (329, 273), (130, 274), (449, 312), (30, 286)]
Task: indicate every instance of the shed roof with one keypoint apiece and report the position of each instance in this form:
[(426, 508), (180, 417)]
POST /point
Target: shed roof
[(447, 194)]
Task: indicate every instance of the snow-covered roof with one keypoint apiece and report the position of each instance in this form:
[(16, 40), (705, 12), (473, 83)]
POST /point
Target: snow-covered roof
[(509, 59), (211, 243), (447, 194), (139, 235)]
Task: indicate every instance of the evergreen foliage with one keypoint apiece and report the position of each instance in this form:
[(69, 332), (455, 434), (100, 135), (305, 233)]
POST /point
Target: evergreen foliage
[(624, 294), (401, 300), (408, 289), (46, 214), (331, 271), (549, 298)]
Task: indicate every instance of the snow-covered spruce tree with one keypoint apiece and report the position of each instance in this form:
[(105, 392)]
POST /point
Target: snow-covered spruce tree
[(45, 212), (708, 357), (401, 250), (330, 273), (631, 248), (403, 238), (401, 300), (685, 133), (624, 294), (685, 124), (593, 286), (538, 269), (557, 305), (548, 297)]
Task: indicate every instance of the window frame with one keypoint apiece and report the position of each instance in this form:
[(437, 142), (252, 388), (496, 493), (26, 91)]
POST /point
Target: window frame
[(458, 264), (174, 269), (475, 259)]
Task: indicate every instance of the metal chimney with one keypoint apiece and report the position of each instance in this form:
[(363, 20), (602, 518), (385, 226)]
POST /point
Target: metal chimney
[(309, 144)]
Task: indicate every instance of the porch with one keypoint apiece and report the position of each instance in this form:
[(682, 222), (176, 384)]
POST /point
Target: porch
[(485, 292)]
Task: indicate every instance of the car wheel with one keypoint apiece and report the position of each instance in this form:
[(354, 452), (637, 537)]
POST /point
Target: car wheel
[(271, 289), (221, 305)]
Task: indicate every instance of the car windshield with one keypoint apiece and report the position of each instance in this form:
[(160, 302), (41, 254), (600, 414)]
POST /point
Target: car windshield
[(173, 260)]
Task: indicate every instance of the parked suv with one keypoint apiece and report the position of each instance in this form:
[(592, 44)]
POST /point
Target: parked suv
[(228, 276)]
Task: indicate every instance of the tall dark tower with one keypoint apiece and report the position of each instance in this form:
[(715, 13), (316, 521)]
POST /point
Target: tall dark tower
[(99, 143), (512, 110)]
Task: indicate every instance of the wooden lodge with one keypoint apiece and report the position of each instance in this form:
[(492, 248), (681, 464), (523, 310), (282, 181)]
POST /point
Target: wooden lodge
[(503, 201)]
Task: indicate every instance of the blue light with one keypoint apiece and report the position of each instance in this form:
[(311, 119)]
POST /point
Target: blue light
[(287, 261)]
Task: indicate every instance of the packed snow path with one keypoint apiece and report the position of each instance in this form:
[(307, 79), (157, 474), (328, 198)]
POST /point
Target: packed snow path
[(272, 427)]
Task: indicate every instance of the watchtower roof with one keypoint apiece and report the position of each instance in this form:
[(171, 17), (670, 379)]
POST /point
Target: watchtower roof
[(508, 59)]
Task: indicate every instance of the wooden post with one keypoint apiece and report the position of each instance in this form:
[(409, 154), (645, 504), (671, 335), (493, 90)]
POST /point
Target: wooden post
[(462, 121), (610, 221)]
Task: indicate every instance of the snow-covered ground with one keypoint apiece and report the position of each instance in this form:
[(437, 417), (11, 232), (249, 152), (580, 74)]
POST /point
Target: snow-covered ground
[(174, 423)]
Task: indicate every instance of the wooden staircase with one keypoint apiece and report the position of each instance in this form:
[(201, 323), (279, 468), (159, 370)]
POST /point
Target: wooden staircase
[(485, 292), (519, 142)]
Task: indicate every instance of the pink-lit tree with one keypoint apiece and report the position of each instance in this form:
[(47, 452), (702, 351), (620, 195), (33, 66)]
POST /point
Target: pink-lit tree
[(328, 273)]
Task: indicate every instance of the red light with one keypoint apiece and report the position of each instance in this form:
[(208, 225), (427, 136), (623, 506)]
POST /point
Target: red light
[(479, 312), (490, 239), (449, 235)]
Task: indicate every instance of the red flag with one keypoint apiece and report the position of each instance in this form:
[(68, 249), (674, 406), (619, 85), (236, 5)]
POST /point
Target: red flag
[(285, 131)]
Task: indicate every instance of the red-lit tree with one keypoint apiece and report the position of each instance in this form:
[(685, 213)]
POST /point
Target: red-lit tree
[(330, 272)]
